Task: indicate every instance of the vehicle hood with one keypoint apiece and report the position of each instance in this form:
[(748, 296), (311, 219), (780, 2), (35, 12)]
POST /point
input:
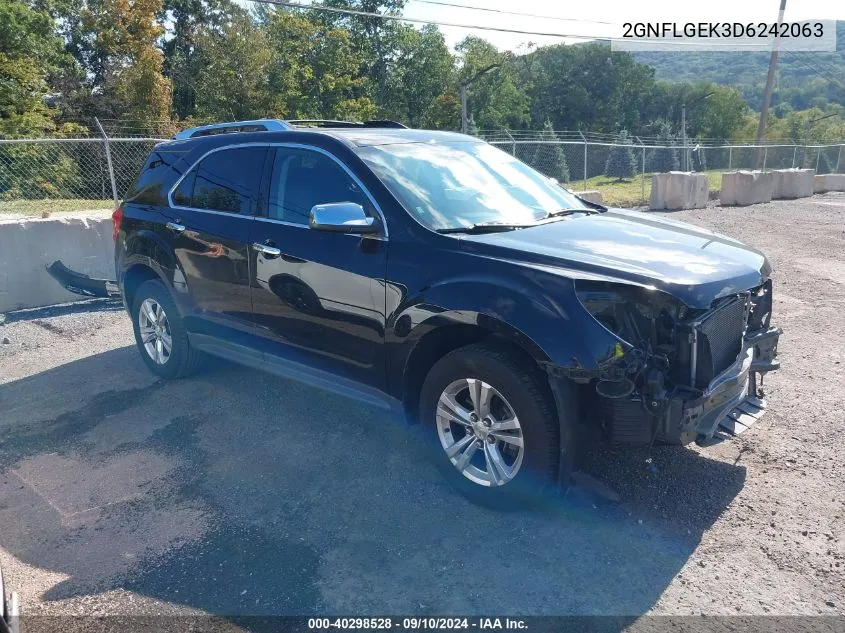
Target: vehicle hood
[(693, 264)]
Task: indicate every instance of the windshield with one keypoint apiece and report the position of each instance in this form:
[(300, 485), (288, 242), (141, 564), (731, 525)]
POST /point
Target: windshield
[(462, 184)]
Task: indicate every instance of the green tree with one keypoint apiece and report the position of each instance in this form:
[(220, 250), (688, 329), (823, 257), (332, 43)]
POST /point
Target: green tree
[(377, 40), (494, 99), (422, 69), (182, 56), (621, 163), (549, 158), (444, 113), (587, 87), (314, 71), (114, 42), (665, 158), (236, 62), (30, 51), (716, 117)]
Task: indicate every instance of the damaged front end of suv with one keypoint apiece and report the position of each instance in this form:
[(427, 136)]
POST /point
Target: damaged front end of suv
[(673, 373)]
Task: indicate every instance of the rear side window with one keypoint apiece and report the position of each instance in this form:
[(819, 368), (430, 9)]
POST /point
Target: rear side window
[(226, 180), (155, 179)]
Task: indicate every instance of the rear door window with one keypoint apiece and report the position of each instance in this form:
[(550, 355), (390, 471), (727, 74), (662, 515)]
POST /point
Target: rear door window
[(226, 180)]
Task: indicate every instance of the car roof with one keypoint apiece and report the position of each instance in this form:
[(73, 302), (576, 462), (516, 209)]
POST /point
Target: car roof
[(387, 136), (351, 137)]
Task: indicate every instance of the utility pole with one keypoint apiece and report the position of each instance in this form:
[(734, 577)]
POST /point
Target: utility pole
[(770, 83), (464, 117), (685, 158)]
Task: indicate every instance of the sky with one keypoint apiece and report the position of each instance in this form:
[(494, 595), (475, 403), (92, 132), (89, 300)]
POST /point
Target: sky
[(604, 18)]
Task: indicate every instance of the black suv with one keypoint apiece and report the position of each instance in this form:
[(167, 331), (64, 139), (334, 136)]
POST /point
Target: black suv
[(435, 275)]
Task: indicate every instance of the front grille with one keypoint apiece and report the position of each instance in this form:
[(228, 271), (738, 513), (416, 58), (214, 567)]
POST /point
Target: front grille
[(720, 340)]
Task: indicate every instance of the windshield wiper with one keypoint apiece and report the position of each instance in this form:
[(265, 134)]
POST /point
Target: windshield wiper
[(567, 211), (484, 227)]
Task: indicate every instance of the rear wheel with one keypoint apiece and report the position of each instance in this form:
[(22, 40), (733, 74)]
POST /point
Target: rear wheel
[(160, 333), (493, 420)]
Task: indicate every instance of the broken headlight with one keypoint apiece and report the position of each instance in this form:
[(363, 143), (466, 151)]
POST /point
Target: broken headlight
[(642, 317)]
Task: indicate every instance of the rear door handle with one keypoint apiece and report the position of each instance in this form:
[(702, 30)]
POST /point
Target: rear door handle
[(265, 249), (175, 227)]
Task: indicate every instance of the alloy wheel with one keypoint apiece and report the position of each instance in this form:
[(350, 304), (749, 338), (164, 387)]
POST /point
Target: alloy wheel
[(155, 331), (480, 432)]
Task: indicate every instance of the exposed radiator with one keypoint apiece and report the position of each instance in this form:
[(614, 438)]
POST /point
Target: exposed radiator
[(720, 340)]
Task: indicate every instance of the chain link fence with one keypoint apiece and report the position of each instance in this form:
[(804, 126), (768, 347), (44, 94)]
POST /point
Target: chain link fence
[(42, 176), (622, 172)]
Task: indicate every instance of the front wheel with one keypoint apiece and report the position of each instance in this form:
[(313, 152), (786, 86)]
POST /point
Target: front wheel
[(494, 421)]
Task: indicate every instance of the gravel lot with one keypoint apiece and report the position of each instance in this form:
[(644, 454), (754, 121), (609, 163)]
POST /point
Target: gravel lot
[(238, 492)]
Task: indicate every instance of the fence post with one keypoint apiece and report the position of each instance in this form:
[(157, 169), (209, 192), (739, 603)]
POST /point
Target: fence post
[(730, 156), (765, 156), (513, 143), (108, 160), (794, 150), (584, 138), (818, 156), (838, 159), (642, 173)]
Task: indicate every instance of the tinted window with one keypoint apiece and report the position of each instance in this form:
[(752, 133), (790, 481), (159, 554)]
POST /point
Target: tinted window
[(182, 195), (227, 180), (155, 179), (303, 178)]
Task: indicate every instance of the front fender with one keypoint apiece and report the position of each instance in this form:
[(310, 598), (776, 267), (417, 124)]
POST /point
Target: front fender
[(537, 311)]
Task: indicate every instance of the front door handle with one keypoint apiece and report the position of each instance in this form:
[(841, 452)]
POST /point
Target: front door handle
[(267, 250), (175, 227)]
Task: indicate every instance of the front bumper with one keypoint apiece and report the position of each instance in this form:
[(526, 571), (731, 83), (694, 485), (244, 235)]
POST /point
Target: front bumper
[(731, 400)]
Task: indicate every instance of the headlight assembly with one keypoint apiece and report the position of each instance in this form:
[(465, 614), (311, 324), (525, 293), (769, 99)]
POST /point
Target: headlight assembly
[(642, 317)]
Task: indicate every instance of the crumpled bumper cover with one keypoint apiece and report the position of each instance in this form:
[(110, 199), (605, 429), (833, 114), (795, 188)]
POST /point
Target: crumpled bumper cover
[(732, 400), (81, 284)]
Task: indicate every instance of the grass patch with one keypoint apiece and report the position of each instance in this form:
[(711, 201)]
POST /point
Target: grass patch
[(630, 193), (37, 207)]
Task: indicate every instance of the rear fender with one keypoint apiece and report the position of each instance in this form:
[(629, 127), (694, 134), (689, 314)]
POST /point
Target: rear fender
[(148, 248)]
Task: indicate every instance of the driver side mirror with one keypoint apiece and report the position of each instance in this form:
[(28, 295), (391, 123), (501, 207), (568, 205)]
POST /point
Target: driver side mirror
[(342, 217)]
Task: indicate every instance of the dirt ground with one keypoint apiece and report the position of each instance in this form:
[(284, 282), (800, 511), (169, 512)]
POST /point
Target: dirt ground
[(237, 492)]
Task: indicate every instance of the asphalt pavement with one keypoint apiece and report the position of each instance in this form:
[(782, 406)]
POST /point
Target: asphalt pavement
[(241, 493)]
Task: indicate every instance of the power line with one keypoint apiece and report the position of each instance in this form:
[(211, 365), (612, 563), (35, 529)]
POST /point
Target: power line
[(400, 18), (819, 65), (816, 70), (503, 12)]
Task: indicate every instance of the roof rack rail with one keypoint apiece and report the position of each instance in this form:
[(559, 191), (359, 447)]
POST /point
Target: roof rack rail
[(381, 123), (385, 123), (275, 125), (260, 125), (323, 123)]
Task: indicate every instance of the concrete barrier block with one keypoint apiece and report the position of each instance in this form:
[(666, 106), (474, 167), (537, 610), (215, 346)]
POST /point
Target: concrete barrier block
[(83, 242), (678, 190), (793, 183), (742, 188), (591, 195), (829, 182)]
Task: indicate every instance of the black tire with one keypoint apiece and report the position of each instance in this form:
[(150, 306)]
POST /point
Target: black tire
[(183, 359), (524, 387)]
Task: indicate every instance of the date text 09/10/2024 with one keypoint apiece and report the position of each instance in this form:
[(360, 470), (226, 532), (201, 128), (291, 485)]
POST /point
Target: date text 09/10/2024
[(417, 623)]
